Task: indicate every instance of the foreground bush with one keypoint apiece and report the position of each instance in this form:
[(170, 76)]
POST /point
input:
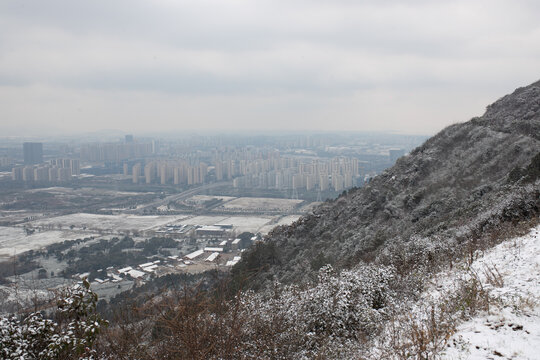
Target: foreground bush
[(70, 335), (328, 319)]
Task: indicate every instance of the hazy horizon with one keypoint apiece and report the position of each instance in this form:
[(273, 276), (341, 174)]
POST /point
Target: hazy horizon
[(254, 66), (120, 134)]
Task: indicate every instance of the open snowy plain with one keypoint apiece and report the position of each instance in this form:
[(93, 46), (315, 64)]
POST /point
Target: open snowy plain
[(14, 240)]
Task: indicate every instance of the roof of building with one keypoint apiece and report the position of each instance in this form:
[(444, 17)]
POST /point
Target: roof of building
[(212, 257), (211, 228), (125, 270), (136, 274), (194, 254), (213, 249)]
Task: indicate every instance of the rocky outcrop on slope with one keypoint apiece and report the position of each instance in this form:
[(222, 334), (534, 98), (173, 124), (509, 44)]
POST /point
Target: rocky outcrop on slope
[(468, 178)]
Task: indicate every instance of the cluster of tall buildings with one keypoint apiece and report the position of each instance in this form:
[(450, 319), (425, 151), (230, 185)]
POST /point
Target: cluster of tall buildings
[(297, 173), (232, 164), (57, 170), (177, 172), (283, 163), (115, 152), (251, 169)]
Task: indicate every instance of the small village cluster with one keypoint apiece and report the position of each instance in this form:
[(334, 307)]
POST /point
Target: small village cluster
[(225, 254)]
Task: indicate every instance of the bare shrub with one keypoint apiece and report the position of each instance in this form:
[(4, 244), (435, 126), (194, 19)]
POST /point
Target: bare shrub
[(526, 303), (493, 276), (421, 336), (423, 333)]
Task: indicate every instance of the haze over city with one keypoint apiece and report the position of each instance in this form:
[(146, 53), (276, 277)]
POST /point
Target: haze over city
[(414, 67)]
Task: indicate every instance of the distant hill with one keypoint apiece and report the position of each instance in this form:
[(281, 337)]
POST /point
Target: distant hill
[(469, 179)]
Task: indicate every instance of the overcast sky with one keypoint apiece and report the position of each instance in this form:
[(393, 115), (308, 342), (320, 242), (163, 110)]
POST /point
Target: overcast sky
[(410, 66)]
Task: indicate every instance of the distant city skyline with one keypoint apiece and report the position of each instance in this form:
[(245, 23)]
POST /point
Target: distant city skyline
[(171, 66)]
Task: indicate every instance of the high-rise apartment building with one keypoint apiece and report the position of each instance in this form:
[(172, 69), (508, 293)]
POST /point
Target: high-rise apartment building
[(17, 173), (41, 174), (33, 153), (136, 172), (150, 172), (28, 173), (75, 165)]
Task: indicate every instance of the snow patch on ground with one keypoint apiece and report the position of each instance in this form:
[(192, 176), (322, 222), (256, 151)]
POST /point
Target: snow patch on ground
[(14, 240), (108, 222), (511, 330), (261, 204)]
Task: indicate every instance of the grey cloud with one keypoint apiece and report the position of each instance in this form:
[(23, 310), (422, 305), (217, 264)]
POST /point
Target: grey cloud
[(283, 58)]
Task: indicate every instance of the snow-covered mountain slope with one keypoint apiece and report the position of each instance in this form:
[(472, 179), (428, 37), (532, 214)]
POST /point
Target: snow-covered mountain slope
[(486, 306), (469, 179), (511, 328)]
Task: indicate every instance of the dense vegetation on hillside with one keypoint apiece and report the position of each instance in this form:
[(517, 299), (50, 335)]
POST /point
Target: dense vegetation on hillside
[(467, 179)]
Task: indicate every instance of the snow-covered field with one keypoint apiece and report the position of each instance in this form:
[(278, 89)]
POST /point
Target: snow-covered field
[(15, 216), (242, 224), (57, 190), (261, 204), (201, 220), (202, 198), (252, 224), (13, 240), (511, 330), (107, 222)]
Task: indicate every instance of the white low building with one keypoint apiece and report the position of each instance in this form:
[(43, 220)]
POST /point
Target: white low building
[(213, 249), (150, 268), (233, 262), (213, 256), (125, 270), (194, 254), (136, 274)]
